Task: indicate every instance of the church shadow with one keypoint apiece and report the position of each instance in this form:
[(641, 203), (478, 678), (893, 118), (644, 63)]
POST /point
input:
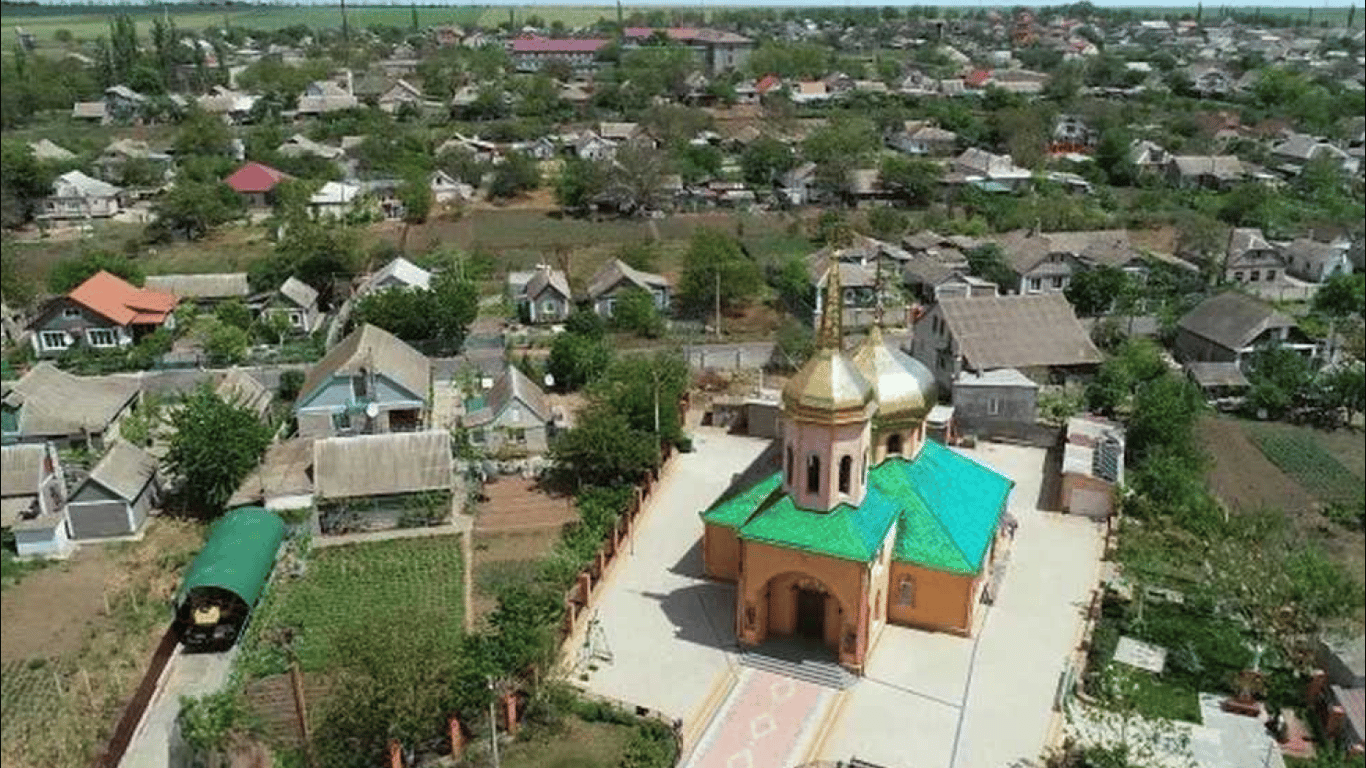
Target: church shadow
[(690, 564), (701, 613), (1050, 489)]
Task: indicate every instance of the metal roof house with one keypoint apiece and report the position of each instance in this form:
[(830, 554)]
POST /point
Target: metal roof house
[(1230, 327), (51, 405), (514, 416), (369, 383), (617, 276), (117, 496)]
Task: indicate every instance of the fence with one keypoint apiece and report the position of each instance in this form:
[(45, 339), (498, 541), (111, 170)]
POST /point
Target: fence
[(133, 711)]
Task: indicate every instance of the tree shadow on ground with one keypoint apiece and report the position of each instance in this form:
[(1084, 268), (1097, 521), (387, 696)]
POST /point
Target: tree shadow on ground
[(701, 613)]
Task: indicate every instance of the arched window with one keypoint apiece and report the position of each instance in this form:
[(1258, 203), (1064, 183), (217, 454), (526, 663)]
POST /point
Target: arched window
[(813, 474), (894, 444), (789, 465), (846, 473)]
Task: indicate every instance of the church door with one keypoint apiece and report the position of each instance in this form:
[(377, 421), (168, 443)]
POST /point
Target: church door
[(811, 614)]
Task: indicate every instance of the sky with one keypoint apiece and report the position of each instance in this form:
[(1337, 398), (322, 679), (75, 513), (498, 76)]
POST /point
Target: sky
[(1273, 4)]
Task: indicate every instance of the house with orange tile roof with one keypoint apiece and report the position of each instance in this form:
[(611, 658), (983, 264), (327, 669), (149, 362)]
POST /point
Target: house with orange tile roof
[(105, 312)]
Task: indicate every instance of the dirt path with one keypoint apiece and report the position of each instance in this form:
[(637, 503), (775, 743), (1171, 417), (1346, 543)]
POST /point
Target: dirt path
[(49, 613)]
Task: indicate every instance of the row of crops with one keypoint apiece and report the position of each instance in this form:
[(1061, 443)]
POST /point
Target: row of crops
[(349, 589), (1305, 461)]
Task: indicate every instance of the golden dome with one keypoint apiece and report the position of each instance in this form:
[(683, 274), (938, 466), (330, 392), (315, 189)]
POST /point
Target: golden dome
[(902, 385), (829, 388)]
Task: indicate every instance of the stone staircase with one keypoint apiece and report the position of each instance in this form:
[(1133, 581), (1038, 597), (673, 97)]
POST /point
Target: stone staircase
[(800, 664)]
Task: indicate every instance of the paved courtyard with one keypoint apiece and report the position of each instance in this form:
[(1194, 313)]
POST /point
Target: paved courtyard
[(928, 700), (937, 701), (669, 629)]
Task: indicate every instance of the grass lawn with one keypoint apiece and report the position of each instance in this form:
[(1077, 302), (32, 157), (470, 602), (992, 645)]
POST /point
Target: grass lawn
[(346, 587), (581, 745), (1153, 696)]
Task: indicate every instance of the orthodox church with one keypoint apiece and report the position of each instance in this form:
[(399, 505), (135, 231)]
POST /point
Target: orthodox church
[(866, 522)]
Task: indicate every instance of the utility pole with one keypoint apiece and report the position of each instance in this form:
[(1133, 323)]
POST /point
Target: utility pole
[(718, 302), (493, 722), (346, 37)]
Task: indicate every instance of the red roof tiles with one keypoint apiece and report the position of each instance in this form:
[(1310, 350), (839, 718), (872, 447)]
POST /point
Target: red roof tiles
[(255, 177), (548, 45), (125, 304)]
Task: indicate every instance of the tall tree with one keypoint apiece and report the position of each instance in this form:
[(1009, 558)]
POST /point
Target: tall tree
[(716, 269), (214, 446)]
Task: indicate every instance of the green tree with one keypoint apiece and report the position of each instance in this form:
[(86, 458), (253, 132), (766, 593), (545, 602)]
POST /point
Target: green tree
[(194, 208), (840, 147), (223, 344), (201, 133), (24, 182), (1344, 387), (913, 180), (69, 273), (1093, 292), (1279, 378), (765, 160), (234, 313), (213, 447), (713, 266), (635, 311), (1164, 415), (1342, 296), (518, 173), (636, 181), (633, 385), (579, 183), (603, 449), (989, 263), (576, 358)]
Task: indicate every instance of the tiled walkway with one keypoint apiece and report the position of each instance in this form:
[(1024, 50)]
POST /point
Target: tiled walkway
[(764, 723)]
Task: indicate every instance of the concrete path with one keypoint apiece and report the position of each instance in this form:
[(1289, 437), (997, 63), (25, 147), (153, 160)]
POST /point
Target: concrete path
[(670, 630), (194, 674), (764, 723)]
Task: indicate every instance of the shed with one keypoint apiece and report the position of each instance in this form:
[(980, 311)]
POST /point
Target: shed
[(117, 496), (226, 578)]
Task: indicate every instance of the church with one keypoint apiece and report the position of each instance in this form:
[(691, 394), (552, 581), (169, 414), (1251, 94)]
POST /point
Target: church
[(865, 522)]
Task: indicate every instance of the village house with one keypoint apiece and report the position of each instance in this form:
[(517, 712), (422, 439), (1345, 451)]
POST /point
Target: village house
[(1315, 260), (1219, 172), (324, 96), (512, 417), (49, 151), (78, 197), (399, 273), (541, 295), (33, 499), (49, 405), (616, 276), (866, 522), (334, 200), (104, 312), (1037, 335), (256, 183), (300, 145), (1232, 326), (1336, 694), (116, 497), (989, 171), (530, 54), (1296, 150), (235, 107), (297, 301), (918, 137), (868, 272), (1044, 262), (716, 50), (996, 404), (112, 160), (1251, 258), (205, 291), (382, 480), (370, 383), (244, 391)]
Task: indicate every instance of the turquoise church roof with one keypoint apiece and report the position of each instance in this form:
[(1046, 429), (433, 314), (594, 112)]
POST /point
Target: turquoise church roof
[(945, 505)]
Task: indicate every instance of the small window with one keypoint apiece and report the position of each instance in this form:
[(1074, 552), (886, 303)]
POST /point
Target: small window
[(517, 435), (101, 337), (55, 340), (549, 308), (1270, 275), (1255, 275), (1238, 277), (341, 422), (296, 319), (358, 385), (1059, 281), (894, 445), (789, 465), (905, 593), (477, 436), (1035, 283), (993, 406), (846, 474), (71, 312), (813, 474)]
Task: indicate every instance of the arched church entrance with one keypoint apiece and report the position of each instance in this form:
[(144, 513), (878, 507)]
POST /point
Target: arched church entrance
[(804, 609)]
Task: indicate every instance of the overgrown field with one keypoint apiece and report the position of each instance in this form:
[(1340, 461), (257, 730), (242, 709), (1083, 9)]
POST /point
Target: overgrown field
[(348, 590)]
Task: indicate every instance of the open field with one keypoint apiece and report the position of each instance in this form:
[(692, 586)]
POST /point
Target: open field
[(1244, 478), (76, 639), (347, 588)]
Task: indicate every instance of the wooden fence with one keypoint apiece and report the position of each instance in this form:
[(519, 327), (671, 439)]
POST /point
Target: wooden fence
[(133, 711)]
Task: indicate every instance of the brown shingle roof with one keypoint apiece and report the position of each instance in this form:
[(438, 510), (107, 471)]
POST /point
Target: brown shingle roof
[(1232, 320), (382, 465), (1018, 332)]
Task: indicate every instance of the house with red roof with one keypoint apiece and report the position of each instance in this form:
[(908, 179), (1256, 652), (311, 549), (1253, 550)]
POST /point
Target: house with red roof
[(105, 312), (978, 78), (256, 183), (767, 83)]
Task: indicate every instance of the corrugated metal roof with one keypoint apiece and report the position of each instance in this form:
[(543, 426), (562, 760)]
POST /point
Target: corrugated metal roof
[(1232, 320), (1018, 331), (299, 292), (382, 465), (243, 390), (125, 470), (377, 350), (56, 403), (221, 285), (238, 555), (947, 507), (616, 270), (21, 469)]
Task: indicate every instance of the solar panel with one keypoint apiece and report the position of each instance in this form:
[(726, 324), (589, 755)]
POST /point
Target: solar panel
[(1105, 459)]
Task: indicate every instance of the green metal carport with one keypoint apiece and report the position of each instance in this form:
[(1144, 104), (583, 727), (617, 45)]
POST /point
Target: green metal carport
[(227, 577)]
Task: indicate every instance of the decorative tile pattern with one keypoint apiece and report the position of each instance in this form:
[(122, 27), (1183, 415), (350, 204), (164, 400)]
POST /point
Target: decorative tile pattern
[(761, 724)]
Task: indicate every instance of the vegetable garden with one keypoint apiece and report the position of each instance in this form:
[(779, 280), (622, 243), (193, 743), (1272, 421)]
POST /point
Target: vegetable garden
[(1306, 461)]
